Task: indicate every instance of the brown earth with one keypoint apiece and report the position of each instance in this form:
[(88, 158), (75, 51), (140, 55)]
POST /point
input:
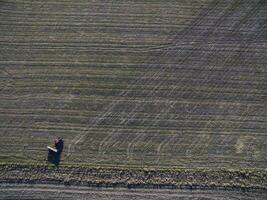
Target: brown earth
[(69, 192), (220, 179)]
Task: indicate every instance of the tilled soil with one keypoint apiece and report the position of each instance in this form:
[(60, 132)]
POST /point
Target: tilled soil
[(45, 191), (220, 179)]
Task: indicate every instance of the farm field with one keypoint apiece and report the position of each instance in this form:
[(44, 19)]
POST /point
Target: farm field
[(179, 83), (139, 84)]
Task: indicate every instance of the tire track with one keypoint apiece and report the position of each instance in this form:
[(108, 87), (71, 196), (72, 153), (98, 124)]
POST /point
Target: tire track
[(109, 108), (230, 59), (218, 20), (155, 76)]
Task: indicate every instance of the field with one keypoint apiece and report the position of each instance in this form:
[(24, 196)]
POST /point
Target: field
[(135, 84)]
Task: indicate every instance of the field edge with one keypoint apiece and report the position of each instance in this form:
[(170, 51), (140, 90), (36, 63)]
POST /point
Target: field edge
[(249, 179)]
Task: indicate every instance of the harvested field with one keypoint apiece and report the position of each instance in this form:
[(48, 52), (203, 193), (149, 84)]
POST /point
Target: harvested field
[(153, 83), (148, 83)]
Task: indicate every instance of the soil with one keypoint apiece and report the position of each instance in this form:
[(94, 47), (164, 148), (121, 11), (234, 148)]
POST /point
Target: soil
[(46, 191), (220, 179)]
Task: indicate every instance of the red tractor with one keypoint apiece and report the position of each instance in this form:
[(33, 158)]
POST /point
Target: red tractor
[(54, 152)]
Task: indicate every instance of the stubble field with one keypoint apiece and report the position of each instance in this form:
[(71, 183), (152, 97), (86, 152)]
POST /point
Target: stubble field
[(161, 84)]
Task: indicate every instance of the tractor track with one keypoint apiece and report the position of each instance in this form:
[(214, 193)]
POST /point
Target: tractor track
[(198, 20), (111, 106), (203, 38)]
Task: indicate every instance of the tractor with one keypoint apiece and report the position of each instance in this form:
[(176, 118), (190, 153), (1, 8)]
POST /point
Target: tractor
[(54, 152)]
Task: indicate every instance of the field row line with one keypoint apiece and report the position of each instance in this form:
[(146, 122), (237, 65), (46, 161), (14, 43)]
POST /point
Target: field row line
[(144, 90), (21, 82), (102, 17), (255, 53), (241, 120), (16, 98), (87, 71), (94, 76), (249, 62), (31, 110), (161, 99), (112, 4), (107, 24), (225, 29), (127, 130), (226, 47), (80, 63)]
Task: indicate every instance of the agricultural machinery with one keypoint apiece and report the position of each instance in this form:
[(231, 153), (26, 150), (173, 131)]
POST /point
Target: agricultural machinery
[(54, 151)]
